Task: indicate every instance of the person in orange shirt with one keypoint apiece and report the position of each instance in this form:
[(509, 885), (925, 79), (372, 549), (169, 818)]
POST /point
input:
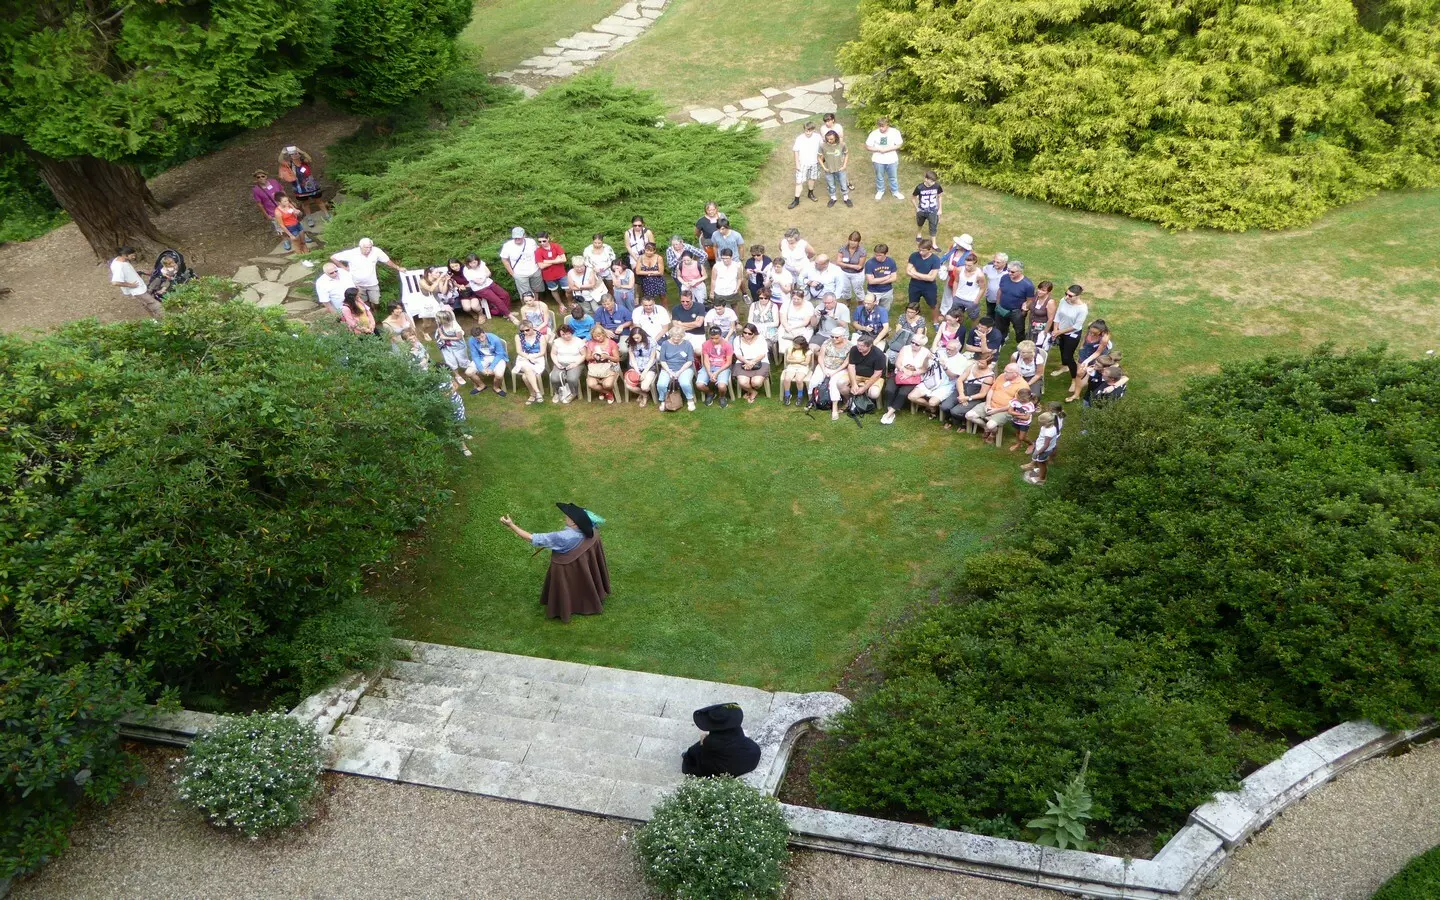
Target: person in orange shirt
[(995, 413)]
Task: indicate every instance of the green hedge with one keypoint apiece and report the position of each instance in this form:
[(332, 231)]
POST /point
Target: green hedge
[(176, 499), (1419, 880), (1233, 115), (584, 156), (27, 208), (1202, 579)]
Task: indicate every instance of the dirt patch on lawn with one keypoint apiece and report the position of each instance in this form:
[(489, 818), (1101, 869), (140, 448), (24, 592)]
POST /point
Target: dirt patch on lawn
[(56, 279)]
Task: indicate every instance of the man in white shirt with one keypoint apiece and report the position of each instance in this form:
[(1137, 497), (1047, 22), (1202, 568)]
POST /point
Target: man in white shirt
[(823, 278), (361, 261), (331, 286), (725, 278), (994, 271), (518, 256), (652, 319), (807, 161), (832, 315), (884, 144), (724, 318), (124, 276)]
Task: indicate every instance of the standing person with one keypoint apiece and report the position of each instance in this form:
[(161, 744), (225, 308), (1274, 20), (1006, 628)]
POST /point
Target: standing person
[(517, 255), (297, 170), (726, 238), (924, 270), (725, 278), (1070, 315), (578, 580), (755, 268), (622, 285), (287, 219), (828, 126), (483, 287), (807, 161), (1043, 449), (600, 257), (636, 237), (643, 364), (653, 319), (362, 262), (796, 371), (705, 228), (968, 285), (124, 276), (752, 362), (677, 366), (952, 262), (263, 192), (834, 158), (530, 353), (881, 272), (713, 377), (1022, 409), (994, 271), (851, 260), (331, 286), (927, 201), (602, 364), (911, 363), (796, 252), (1041, 313), (1016, 294), (567, 359), (490, 356), (356, 314), (884, 144), (687, 267), (550, 257)]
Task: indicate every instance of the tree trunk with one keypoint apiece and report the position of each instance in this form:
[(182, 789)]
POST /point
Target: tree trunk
[(110, 202)]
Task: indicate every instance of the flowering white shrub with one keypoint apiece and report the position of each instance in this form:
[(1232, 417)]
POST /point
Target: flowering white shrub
[(256, 773), (715, 839)]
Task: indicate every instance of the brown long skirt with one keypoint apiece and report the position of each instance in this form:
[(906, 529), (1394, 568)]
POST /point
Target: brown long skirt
[(577, 582)]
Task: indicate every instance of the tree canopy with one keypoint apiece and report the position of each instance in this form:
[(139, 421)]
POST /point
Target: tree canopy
[(1230, 114)]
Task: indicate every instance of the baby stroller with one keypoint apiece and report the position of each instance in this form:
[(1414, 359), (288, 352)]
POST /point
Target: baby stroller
[(159, 283)]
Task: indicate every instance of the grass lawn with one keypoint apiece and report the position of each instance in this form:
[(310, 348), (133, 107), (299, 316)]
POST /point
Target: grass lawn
[(511, 30), (752, 545), (703, 53)]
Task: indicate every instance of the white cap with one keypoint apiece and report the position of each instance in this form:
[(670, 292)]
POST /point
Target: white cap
[(966, 241), (838, 331), (517, 232)]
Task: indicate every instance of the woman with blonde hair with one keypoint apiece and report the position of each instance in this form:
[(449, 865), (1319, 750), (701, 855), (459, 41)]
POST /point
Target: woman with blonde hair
[(602, 363), (567, 358), (530, 347), (451, 339)]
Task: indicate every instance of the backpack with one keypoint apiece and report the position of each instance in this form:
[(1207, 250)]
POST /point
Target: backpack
[(860, 405), (820, 394)]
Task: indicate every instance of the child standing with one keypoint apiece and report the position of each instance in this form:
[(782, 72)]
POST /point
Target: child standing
[(1044, 451), (926, 198), (1022, 409)]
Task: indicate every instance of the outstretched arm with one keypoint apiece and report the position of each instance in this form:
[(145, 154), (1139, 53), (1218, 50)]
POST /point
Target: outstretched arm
[(519, 532)]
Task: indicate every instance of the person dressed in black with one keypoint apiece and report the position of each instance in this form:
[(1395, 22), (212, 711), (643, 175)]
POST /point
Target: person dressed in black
[(724, 750)]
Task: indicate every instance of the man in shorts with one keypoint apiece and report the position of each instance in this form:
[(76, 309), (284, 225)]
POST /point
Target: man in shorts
[(807, 162), (926, 198), (362, 261), (550, 257), (518, 257), (924, 270)]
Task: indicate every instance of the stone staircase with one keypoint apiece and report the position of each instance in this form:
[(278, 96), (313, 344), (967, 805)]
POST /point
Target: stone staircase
[(580, 737)]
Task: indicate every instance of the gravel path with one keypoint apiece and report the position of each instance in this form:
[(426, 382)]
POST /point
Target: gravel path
[(1346, 840)]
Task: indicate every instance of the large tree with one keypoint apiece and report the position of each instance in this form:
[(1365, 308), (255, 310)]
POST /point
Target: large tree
[(96, 87)]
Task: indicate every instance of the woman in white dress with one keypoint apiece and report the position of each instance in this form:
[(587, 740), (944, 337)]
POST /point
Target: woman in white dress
[(420, 305)]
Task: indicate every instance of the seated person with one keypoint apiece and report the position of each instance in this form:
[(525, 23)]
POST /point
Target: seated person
[(873, 319), (722, 317), (713, 375), (602, 364), (939, 383), (690, 315), (984, 337), (796, 371), (832, 365), (677, 366), (724, 750), (994, 413), (490, 356), (617, 320), (580, 321), (866, 373)]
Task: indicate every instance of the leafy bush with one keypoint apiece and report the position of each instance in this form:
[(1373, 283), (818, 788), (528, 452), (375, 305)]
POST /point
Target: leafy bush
[(256, 773), (1419, 880), (1256, 113), (388, 51), (604, 159), (353, 636), (715, 839), (1063, 825), (1260, 559), (27, 208), (176, 498)]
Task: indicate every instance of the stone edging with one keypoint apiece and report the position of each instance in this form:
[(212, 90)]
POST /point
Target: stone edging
[(1178, 871), (774, 107)]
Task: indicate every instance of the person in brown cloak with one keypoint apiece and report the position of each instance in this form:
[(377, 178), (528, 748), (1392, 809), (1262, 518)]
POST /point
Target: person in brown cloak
[(578, 580)]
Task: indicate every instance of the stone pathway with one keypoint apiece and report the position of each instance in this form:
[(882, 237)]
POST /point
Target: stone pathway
[(579, 737), (774, 107), (579, 51), (271, 280)]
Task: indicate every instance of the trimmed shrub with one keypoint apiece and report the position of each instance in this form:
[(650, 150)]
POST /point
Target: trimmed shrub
[(605, 160), (1236, 115), (715, 839), (1259, 560), (176, 499), (353, 636), (388, 51), (256, 773), (1419, 880)]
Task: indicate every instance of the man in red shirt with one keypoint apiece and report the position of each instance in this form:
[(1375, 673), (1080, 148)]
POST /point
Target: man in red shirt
[(550, 257)]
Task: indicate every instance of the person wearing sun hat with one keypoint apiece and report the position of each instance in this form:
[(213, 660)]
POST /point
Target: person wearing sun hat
[(578, 580), (724, 750)]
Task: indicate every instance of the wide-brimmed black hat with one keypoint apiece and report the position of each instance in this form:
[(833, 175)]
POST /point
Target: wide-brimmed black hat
[(579, 516), (719, 717)]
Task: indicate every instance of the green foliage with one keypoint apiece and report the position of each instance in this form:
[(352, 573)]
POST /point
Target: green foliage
[(1234, 115), (601, 159), (1260, 558), (255, 773), (715, 839), (419, 125), (85, 79), (1419, 880), (353, 636), (176, 498), (391, 50), (1063, 825), (27, 208)]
